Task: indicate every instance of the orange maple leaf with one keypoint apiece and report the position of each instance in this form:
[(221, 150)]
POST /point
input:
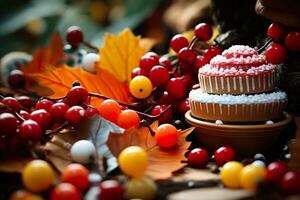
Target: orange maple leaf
[(161, 162), (52, 55)]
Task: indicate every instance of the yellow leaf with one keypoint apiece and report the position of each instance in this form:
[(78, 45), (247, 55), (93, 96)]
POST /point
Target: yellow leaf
[(162, 163), (120, 54)]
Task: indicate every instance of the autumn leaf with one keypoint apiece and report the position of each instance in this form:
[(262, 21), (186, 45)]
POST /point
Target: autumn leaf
[(97, 130), (51, 55), (161, 162), (120, 54), (59, 81)]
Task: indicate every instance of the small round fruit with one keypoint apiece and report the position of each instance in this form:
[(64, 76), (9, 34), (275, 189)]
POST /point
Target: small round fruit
[(58, 111), (277, 31), (44, 104), (230, 174), (65, 191), (11, 103), (159, 75), (147, 62), (91, 111), (166, 62), (83, 151), (211, 52), (74, 115), (184, 106), (89, 62), (129, 158), (8, 124), (200, 62), (276, 54), (24, 114), (187, 56), (178, 42), (223, 155), (140, 87), (111, 190), (203, 31), (38, 176), (176, 88), (141, 188), (26, 102), (198, 158), (16, 79), (24, 195), (166, 116), (77, 175), (30, 131), (292, 41), (128, 119), (275, 172), (166, 136), (110, 109), (76, 95), (251, 175), (42, 117), (74, 36), (291, 182), (138, 72)]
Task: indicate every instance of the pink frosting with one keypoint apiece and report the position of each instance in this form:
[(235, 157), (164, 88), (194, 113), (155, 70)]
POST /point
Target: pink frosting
[(238, 60)]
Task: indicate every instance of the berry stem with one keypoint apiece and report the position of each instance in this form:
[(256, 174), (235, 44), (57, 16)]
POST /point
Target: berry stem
[(265, 45), (144, 115), (49, 133), (193, 42), (89, 45), (144, 123)]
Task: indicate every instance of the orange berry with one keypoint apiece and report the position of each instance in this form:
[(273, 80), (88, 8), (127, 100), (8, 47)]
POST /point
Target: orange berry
[(77, 175), (128, 119), (166, 136), (110, 109)]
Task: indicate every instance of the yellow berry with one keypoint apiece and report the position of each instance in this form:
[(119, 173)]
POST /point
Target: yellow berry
[(24, 195), (140, 87), (250, 175), (230, 174), (140, 188), (38, 176), (133, 161)]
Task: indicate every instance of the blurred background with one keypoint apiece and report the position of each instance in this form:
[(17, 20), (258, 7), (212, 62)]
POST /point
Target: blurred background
[(27, 24)]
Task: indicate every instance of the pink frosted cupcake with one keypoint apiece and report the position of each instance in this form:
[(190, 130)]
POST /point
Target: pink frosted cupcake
[(239, 70)]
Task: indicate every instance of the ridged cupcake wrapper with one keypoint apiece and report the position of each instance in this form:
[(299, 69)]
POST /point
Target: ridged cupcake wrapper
[(238, 84), (237, 112)]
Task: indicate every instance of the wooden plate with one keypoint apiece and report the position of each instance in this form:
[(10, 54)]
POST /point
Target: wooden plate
[(247, 140)]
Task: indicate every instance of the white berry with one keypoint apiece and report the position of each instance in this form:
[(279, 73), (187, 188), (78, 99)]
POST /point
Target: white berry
[(219, 122), (269, 122), (259, 163), (83, 151), (88, 62)]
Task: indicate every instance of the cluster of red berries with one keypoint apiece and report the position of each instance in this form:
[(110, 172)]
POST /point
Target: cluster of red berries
[(285, 38), (172, 76), (278, 174), (199, 157)]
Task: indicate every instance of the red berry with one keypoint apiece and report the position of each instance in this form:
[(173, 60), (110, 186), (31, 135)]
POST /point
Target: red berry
[(211, 52), (164, 61), (42, 117), (65, 191), (186, 68), (147, 62), (11, 103), (90, 111), (178, 42), (277, 31), (176, 88), (166, 99), (74, 36), (292, 41), (8, 124), (44, 104), (291, 182), (76, 95), (111, 190), (138, 72), (153, 55), (77, 175), (159, 75), (167, 116), (187, 56), (166, 136), (187, 80), (275, 171), (74, 115), (24, 114), (16, 79), (58, 111), (26, 101), (200, 62), (198, 158), (276, 54), (203, 31), (223, 155), (30, 131), (184, 106)]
